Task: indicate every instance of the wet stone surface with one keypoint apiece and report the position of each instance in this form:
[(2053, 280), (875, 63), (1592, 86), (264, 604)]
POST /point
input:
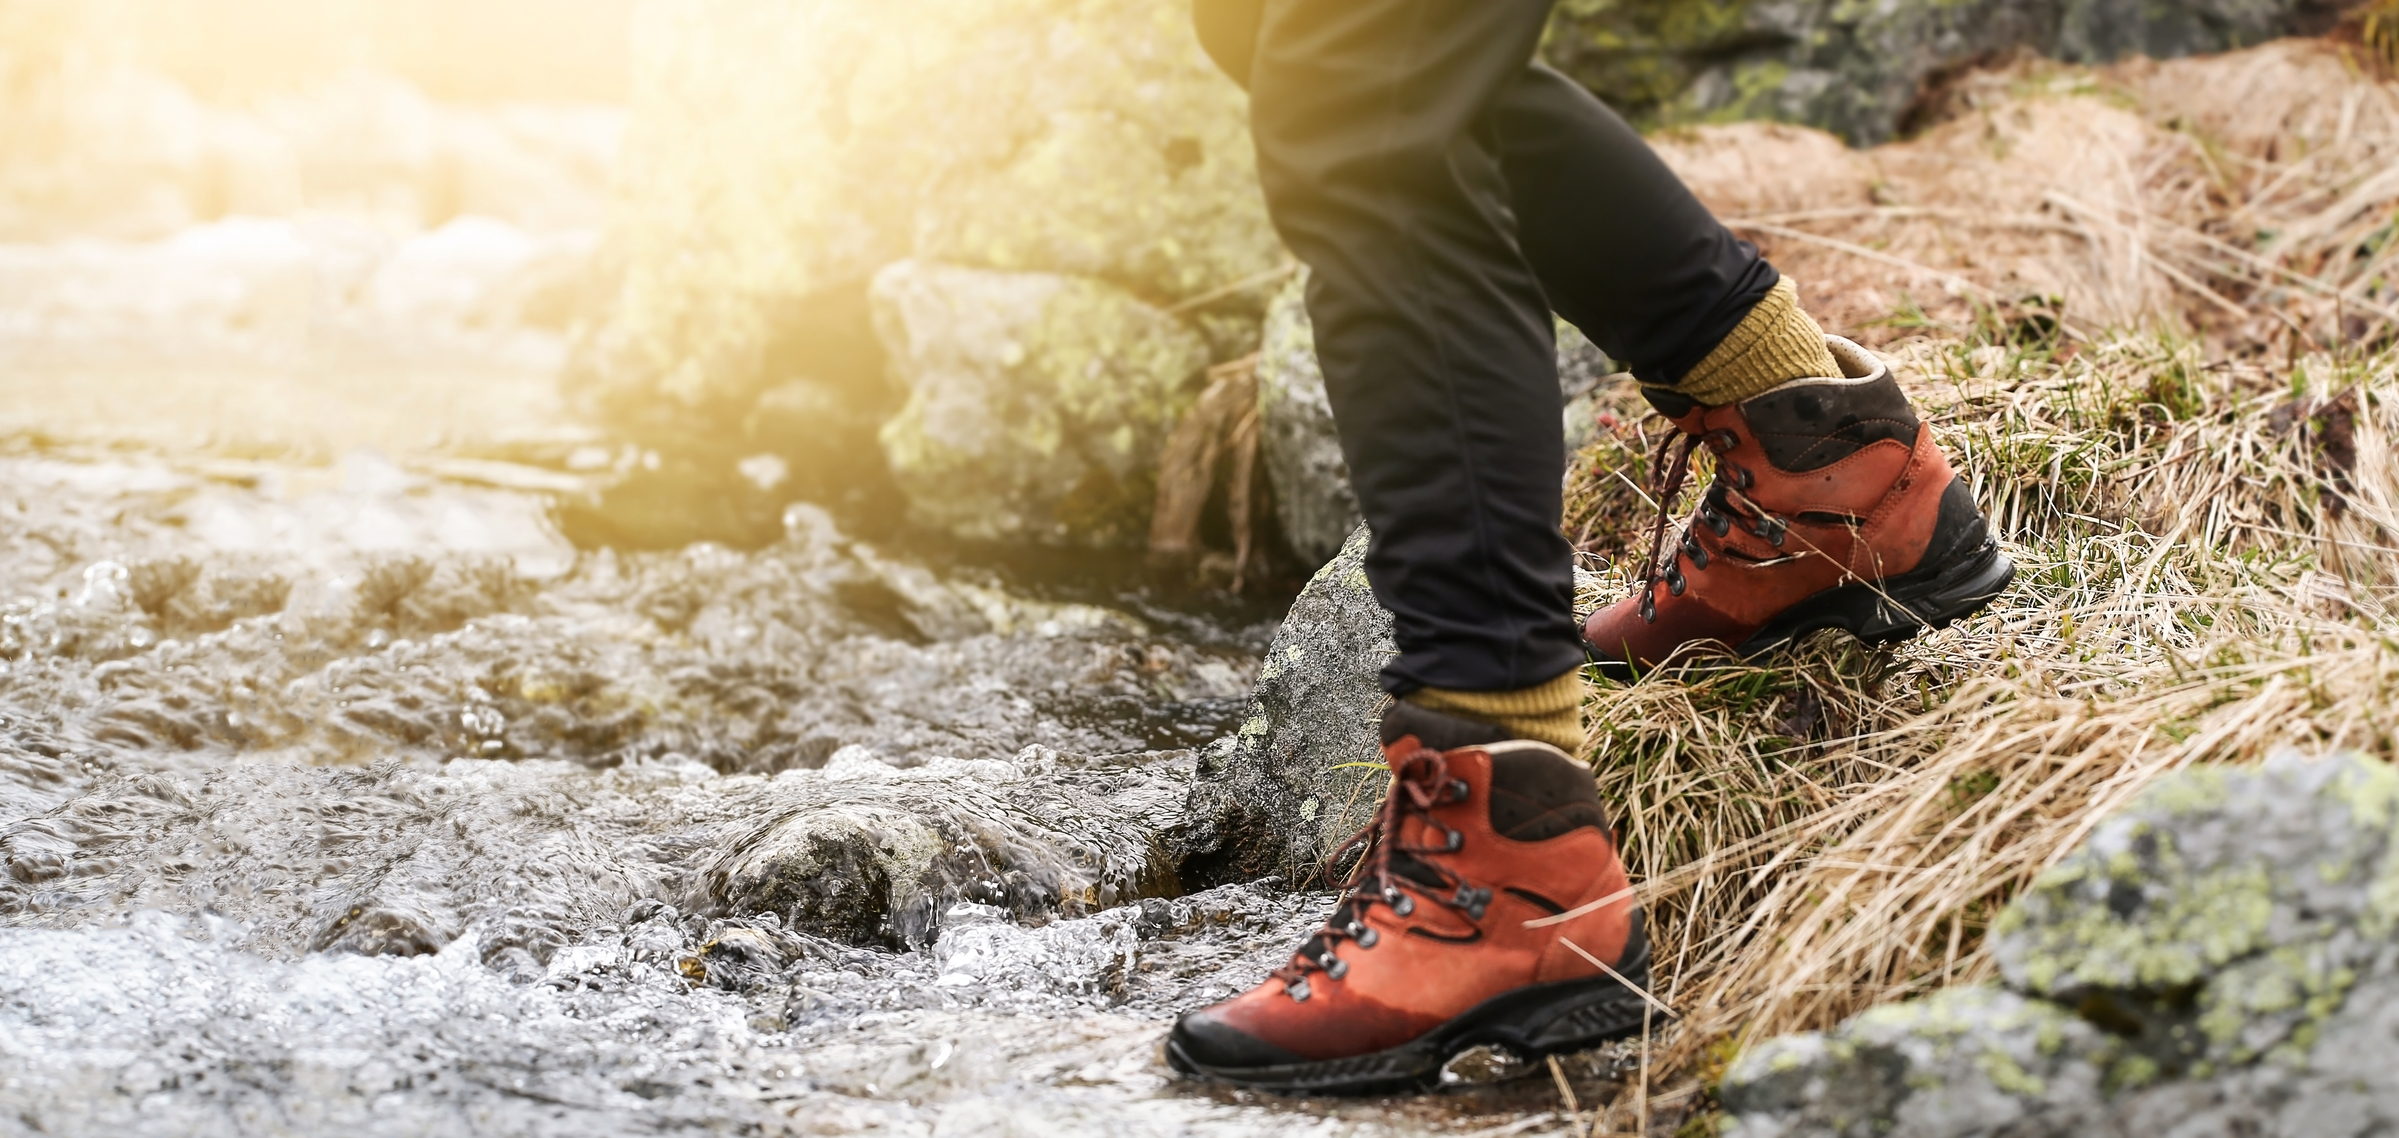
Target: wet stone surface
[(353, 800)]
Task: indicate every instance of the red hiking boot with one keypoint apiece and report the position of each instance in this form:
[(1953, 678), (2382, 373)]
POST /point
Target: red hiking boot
[(1436, 946), (1832, 507)]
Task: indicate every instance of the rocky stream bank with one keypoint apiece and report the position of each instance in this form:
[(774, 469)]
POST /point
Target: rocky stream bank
[(313, 817)]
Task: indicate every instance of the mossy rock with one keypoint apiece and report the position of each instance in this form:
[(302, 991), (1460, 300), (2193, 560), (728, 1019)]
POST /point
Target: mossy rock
[(1858, 69), (2222, 955), (780, 154), (1036, 403)]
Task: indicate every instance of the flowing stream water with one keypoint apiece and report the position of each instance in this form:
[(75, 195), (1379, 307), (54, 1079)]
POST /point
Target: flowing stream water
[(350, 798)]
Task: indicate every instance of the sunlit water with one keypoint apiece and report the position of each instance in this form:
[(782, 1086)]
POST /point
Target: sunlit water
[(352, 800)]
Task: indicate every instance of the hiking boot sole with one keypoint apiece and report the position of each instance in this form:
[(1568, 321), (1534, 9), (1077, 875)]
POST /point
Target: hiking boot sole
[(1889, 611), (1531, 1023), (1894, 609)]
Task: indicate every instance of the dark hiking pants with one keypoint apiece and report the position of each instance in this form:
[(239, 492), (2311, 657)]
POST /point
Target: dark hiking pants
[(1447, 193)]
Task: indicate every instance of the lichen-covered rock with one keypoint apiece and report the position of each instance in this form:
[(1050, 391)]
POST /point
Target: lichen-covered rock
[(1036, 403), (780, 153), (1856, 69), (1305, 769), (1312, 497), (2222, 958), (1965, 1061), (1111, 150), (2223, 915)]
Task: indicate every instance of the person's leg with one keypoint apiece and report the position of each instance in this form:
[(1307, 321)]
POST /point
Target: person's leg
[(1378, 155), (1624, 251), (1378, 158)]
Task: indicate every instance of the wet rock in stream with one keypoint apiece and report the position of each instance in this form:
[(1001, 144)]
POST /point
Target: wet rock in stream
[(867, 853), (1304, 769)]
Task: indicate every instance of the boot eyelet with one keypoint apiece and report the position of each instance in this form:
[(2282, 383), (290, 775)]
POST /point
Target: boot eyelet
[(1675, 582), (1649, 605), (1724, 438), (1458, 790), (1743, 478), (1474, 901), (1696, 552), (1457, 841), (1401, 904), (1718, 522), (1775, 530), (1334, 967), (1364, 935), (1298, 990)]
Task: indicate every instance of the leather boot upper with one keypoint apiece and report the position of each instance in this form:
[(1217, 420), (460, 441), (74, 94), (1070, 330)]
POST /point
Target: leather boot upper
[(1819, 483), (1471, 844)]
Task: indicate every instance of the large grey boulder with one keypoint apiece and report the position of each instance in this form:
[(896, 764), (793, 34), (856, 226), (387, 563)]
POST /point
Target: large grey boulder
[(1095, 139), (1036, 403), (1857, 69), (1305, 768), (1312, 497), (2220, 959)]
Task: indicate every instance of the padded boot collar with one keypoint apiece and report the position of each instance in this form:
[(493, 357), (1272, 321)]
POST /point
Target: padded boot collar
[(1858, 367), (1437, 729)]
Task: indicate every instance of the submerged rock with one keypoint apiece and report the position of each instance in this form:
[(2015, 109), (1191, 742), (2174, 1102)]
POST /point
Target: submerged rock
[(653, 1024), (2223, 957), (1305, 769), (866, 853), (1037, 403)]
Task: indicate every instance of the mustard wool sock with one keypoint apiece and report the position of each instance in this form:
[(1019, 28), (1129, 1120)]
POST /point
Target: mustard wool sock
[(1551, 713), (1775, 344)]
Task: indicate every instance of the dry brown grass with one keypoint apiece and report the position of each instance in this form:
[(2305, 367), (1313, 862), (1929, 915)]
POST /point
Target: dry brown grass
[(2209, 553), (2205, 514), (2247, 196)]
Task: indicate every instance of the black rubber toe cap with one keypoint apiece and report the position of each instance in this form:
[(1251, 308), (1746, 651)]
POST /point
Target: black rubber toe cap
[(1202, 1043)]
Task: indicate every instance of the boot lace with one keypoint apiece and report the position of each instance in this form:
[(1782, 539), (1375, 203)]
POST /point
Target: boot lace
[(1723, 505), (1390, 871)]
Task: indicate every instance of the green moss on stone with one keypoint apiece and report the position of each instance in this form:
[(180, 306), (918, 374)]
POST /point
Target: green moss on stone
[(1037, 403)]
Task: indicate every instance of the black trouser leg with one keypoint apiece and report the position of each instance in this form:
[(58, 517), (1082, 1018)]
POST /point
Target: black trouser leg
[(1380, 165), (1622, 248), (1389, 134)]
